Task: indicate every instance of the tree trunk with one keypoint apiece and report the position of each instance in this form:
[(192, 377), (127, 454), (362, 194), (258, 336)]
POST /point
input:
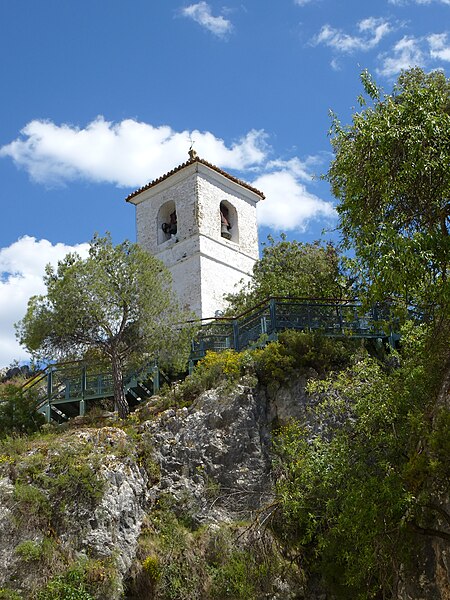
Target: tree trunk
[(120, 401)]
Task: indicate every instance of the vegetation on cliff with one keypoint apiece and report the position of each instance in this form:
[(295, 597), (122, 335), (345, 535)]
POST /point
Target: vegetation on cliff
[(357, 496)]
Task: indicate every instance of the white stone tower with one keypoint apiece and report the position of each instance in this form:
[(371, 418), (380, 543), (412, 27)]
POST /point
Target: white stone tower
[(201, 223)]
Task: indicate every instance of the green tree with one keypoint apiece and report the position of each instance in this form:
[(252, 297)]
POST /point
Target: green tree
[(18, 409), (117, 301), (391, 175), (297, 269), (357, 493)]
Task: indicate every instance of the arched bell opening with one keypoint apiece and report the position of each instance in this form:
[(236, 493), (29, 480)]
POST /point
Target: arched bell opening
[(229, 222), (167, 224)]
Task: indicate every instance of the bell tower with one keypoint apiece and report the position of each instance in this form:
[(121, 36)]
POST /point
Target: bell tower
[(201, 223)]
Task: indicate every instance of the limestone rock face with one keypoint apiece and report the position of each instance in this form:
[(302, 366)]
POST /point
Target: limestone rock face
[(215, 454), (114, 526), (110, 529), (212, 459)]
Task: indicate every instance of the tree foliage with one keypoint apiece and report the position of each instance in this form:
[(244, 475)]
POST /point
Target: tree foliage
[(391, 175), (291, 268), (357, 493), (117, 302), (18, 409), (354, 495)]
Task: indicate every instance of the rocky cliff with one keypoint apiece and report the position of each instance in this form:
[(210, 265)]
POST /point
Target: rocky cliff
[(175, 504)]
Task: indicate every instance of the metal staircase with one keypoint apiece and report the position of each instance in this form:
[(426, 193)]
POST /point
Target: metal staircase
[(65, 390)]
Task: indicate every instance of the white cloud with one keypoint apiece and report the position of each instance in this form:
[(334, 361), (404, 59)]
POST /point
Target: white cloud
[(405, 2), (201, 14), (300, 169), (335, 64), (21, 269), (406, 53), (302, 2), (129, 153), (132, 153), (439, 46), (288, 205), (371, 31), (414, 51)]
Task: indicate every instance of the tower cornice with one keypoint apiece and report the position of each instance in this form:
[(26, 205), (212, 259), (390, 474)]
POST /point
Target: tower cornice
[(195, 160)]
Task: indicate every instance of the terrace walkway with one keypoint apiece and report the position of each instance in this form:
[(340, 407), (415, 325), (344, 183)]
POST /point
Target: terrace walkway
[(66, 389)]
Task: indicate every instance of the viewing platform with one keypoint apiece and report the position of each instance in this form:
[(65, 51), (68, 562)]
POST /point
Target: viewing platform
[(67, 389)]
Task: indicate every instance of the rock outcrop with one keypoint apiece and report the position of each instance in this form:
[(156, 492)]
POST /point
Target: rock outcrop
[(211, 459), (219, 447)]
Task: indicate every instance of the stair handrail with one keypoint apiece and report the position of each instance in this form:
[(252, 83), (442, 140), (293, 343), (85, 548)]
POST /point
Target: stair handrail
[(299, 299)]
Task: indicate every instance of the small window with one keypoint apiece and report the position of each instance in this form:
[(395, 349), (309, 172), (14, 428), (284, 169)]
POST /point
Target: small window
[(228, 222), (167, 222)]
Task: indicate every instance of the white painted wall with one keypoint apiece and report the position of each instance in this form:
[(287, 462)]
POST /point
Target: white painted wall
[(203, 264)]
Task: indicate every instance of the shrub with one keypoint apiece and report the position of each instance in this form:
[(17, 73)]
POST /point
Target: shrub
[(54, 479), (31, 503), (146, 459), (233, 579), (101, 577), (214, 369), (70, 586), (151, 566), (75, 477), (18, 410), (298, 352), (93, 579), (8, 594), (29, 550)]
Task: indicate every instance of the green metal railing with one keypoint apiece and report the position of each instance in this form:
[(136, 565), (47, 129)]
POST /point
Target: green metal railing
[(65, 388), (333, 318)]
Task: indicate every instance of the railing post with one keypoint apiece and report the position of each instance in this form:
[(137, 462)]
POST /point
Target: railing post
[(340, 319), (237, 345), (67, 388), (155, 374), (49, 383), (48, 409), (47, 413), (273, 314), (82, 406), (263, 325)]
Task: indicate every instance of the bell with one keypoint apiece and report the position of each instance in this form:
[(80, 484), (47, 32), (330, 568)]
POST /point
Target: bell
[(224, 231)]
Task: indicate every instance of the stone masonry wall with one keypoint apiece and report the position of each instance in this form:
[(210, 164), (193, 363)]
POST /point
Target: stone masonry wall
[(203, 264)]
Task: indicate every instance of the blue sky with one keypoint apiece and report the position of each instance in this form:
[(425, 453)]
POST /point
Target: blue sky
[(102, 96)]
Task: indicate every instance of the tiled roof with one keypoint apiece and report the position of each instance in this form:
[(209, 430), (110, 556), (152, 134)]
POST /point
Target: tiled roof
[(191, 161)]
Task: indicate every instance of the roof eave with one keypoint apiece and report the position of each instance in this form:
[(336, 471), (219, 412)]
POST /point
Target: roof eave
[(186, 164)]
